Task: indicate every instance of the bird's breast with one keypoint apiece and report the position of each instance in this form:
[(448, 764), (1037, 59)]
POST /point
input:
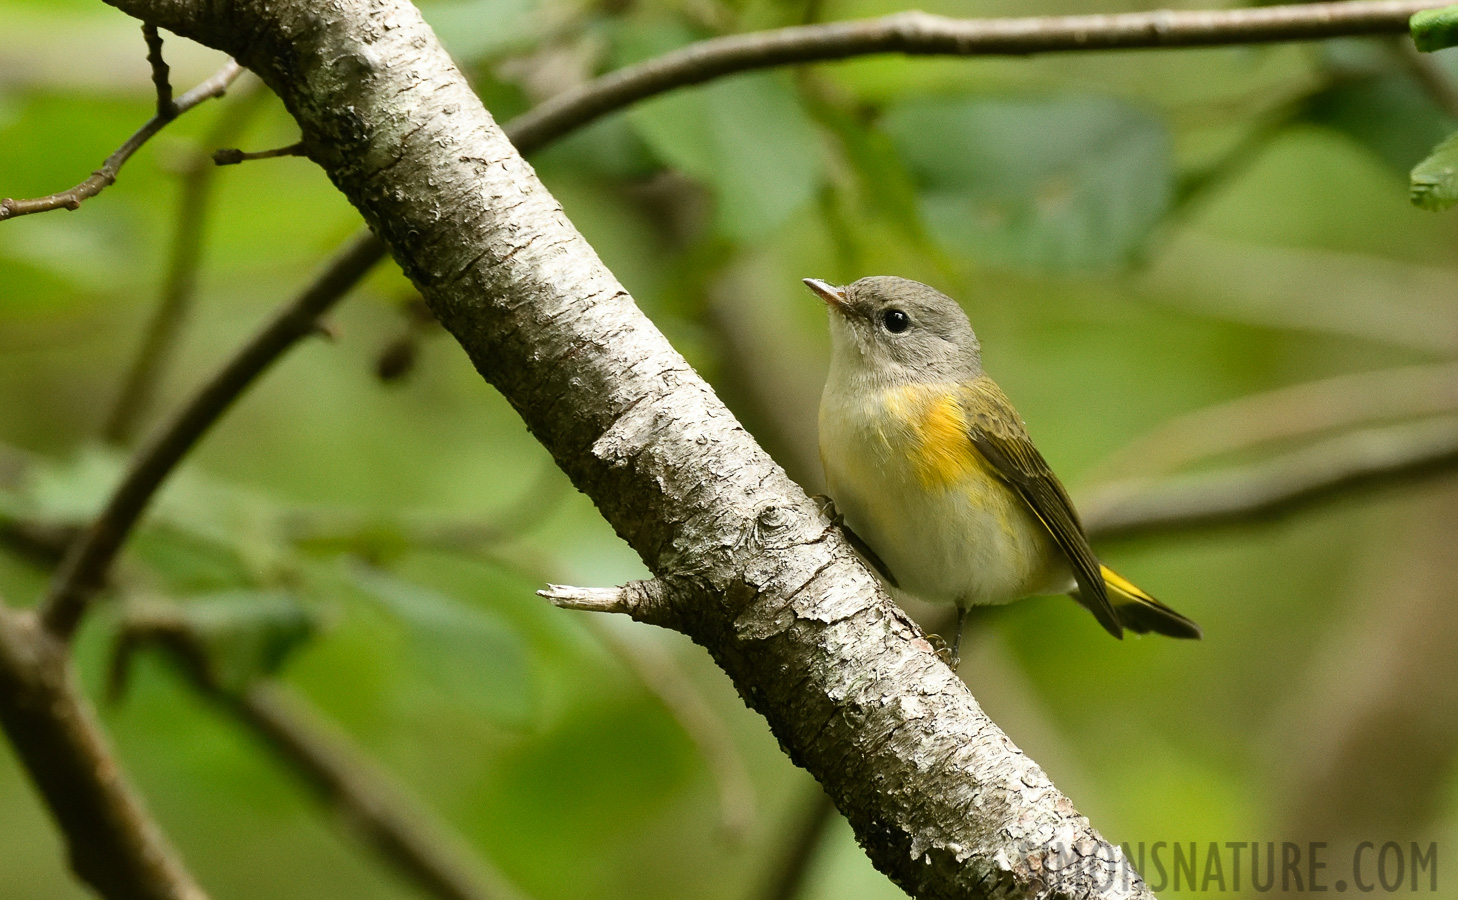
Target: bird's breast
[(902, 469)]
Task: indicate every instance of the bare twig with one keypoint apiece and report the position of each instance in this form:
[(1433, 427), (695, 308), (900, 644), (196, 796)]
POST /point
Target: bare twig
[(114, 845), (88, 560), (923, 34), (161, 75), (232, 156), (180, 286), (105, 176), (1270, 490)]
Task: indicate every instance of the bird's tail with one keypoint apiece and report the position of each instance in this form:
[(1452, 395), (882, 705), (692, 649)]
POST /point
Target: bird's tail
[(1139, 612)]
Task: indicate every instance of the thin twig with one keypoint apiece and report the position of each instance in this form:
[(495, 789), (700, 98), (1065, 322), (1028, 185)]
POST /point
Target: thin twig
[(161, 75), (919, 33), (88, 560), (113, 844), (105, 176), (180, 287), (1269, 490), (231, 156), (365, 797)]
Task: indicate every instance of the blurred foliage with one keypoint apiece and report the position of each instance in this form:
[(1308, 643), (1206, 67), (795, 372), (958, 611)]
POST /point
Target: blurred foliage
[(1435, 179), (408, 523)]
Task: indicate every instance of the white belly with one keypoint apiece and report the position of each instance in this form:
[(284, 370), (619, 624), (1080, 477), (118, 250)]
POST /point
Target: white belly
[(970, 541)]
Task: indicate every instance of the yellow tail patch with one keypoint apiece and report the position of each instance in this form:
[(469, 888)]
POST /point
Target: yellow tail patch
[(1123, 588), (1140, 612)]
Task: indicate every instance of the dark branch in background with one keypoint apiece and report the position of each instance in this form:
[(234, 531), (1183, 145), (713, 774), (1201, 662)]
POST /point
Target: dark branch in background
[(1270, 490), (89, 559), (365, 798), (180, 287), (161, 75), (919, 33), (232, 156), (105, 176), (113, 844)]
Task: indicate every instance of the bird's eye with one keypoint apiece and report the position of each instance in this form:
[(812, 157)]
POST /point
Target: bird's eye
[(895, 321)]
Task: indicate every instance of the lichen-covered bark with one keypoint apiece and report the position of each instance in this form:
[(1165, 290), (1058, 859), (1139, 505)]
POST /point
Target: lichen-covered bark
[(746, 565)]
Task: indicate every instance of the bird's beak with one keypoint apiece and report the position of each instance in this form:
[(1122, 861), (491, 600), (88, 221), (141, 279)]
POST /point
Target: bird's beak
[(833, 296)]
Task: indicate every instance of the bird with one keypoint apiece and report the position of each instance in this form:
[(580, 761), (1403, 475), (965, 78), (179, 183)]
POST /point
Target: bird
[(932, 474)]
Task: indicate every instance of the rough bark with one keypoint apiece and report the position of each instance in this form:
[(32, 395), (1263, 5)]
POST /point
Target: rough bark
[(746, 565)]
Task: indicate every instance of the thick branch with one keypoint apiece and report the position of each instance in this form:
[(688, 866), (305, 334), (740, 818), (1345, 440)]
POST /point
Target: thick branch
[(923, 34), (105, 176), (113, 844), (751, 569)]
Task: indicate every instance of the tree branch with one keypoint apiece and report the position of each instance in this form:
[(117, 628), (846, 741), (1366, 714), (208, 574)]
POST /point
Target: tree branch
[(105, 176), (161, 74), (1270, 490), (1301, 411), (919, 33), (113, 844)]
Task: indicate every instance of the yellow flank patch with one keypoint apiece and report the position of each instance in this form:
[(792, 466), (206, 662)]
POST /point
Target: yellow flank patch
[(944, 453)]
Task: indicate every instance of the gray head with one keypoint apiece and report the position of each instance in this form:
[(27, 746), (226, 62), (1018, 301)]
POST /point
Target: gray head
[(895, 330)]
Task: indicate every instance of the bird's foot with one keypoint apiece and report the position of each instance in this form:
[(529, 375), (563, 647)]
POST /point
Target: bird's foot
[(827, 509), (944, 652)]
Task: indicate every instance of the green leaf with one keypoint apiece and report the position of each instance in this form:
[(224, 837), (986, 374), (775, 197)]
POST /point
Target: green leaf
[(1056, 184), (1435, 29), (746, 138), (1435, 179), (475, 657)]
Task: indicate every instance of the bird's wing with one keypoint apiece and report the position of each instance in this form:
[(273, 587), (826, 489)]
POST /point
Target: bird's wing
[(998, 434)]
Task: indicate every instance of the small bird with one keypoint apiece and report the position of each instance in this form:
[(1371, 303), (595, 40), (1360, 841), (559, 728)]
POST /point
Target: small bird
[(933, 474)]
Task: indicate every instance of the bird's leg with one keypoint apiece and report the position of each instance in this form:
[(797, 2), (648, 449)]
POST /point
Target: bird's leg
[(956, 660)]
